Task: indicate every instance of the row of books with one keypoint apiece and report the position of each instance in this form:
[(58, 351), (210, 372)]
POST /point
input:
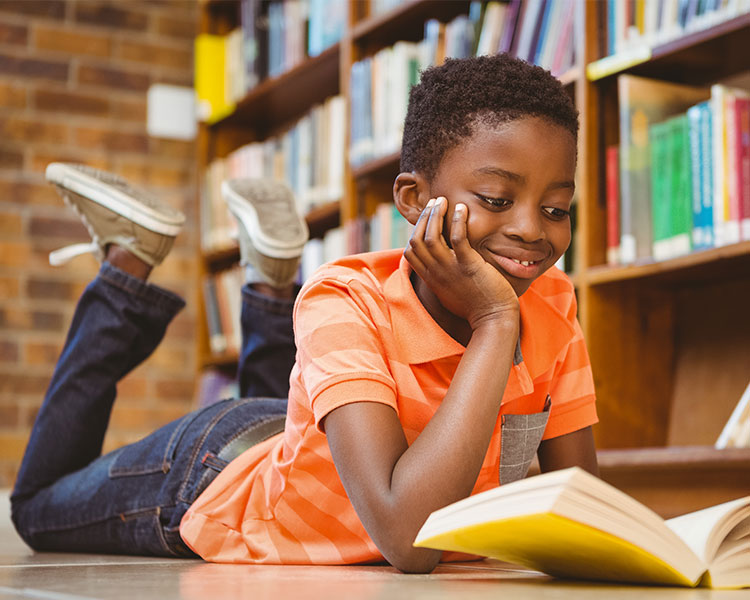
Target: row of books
[(537, 31), (385, 229), (273, 37), (645, 23), (679, 180), (223, 301), (309, 157)]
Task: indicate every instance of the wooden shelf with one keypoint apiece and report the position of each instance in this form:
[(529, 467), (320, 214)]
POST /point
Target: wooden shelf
[(405, 22), (699, 57), (676, 480), (226, 360), (712, 264), (378, 167), (277, 101)]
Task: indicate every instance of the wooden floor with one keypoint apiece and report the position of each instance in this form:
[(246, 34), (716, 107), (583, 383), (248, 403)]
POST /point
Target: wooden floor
[(24, 574)]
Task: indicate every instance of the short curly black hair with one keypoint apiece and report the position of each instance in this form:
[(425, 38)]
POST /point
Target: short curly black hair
[(451, 98)]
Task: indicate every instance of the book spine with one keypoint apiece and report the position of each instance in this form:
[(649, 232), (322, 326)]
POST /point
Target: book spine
[(681, 200), (744, 165), (509, 26), (732, 231), (707, 174), (721, 205), (661, 150), (696, 176), (613, 204)]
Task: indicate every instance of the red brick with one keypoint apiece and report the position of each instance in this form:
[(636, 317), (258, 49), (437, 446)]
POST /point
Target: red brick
[(9, 415), (180, 28), (107, 139), (40, 159), (177, 390), (156, 54), (21, 383), (57, 227), (8, 351), (10, 223), (48, 289), (151, 175), (130, 110), (53, 9), (110, 15), (25, 193), (20, 66), (12, 96), (72, 42), (13, 34), (12, 445), (10, 159), (176, 149), (32, 130), (71, 102), (9, 287), (14, 254), (40, 353), (113, 78)]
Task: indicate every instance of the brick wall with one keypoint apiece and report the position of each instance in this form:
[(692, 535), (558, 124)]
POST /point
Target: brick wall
[(73, 82)]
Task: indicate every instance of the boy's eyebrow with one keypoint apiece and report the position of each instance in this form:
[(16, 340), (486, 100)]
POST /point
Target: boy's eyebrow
[(516, 177)]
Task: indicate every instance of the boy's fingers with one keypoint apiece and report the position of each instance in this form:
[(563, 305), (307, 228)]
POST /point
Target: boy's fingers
[(459, 241), (434, 234), (421, 224)]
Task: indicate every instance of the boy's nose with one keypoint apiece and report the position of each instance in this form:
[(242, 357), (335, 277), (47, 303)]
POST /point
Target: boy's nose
[(526, 224)]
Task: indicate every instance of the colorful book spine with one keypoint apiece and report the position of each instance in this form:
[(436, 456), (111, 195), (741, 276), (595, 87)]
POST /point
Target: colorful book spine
[(661, 180), (613, 204), (700, 160), (743, 134)]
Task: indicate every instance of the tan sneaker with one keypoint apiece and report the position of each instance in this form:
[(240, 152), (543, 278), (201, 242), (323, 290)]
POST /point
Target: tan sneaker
[(272, 233), (114, 212)]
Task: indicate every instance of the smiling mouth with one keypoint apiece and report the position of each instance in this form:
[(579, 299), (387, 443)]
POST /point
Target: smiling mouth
[(525, 263)]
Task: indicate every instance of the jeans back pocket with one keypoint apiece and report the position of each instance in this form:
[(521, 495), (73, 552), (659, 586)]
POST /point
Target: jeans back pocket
[(152, 454)]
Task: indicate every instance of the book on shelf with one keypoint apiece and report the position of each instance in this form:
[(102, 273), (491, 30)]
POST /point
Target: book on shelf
[(384, 230), (380, 82), (223, 302), (612, 182), (213, 97), (736, 432), (646, 23), (571, 524), (700, 125), (643, 102), (671, 188)]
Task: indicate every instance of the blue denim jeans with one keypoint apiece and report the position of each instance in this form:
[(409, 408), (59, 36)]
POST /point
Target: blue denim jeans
[(67, 496)]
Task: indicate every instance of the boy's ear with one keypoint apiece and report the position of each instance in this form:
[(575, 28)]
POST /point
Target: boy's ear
[(411, 193)]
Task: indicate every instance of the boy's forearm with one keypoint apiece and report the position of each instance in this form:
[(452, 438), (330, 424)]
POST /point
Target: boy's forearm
[(443, 463)]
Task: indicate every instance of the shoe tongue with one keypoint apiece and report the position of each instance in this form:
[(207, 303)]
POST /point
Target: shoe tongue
[(63, 255)]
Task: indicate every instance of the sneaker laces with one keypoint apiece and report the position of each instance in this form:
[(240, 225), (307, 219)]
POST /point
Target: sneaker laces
[(63, 255)]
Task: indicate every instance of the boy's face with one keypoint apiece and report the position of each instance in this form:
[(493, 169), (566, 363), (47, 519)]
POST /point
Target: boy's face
[(517, 181)]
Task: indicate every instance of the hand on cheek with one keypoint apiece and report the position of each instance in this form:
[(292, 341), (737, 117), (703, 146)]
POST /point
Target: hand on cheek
[(461, 279)]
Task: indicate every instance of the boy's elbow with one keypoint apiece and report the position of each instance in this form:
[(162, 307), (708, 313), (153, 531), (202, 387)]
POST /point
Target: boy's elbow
[(412, 560)]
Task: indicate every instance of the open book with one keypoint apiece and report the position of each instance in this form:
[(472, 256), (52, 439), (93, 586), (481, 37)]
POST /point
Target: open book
[(571, 524)]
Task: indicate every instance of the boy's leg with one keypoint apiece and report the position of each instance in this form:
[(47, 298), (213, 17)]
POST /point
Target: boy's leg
[(272, 235), (118, 322)]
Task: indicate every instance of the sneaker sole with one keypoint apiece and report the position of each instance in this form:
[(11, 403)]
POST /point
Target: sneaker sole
[(263, 243), (116, 201)]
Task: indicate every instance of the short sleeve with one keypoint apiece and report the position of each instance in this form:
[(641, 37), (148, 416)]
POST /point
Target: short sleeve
[(339, 328), (572, 387)]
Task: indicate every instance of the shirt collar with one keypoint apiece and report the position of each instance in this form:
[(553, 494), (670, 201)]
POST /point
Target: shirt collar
[(545, 331)]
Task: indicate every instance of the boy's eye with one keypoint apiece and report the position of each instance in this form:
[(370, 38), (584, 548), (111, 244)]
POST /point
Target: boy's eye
[(497, 202), (557, 213)]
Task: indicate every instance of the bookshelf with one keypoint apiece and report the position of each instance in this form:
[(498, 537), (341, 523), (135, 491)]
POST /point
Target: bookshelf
[(669, 341)]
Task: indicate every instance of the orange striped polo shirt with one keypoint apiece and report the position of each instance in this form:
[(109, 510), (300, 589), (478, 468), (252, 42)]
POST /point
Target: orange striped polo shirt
[(363, 335)]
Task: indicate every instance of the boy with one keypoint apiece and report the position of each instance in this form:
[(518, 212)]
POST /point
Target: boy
[(422, 375)]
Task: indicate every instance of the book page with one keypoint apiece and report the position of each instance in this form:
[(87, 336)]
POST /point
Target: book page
[(704, 530)]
